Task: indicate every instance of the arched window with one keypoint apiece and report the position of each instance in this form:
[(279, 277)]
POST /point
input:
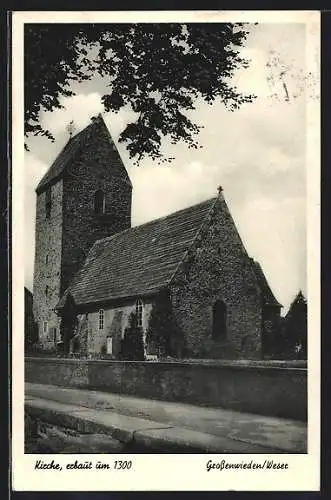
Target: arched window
[(101, 319), (99, 202), (219, 320), (45, 327), (139, 312), (46, 290)]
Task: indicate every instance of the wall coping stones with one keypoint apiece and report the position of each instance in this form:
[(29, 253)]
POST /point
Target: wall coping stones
[(292, 366)]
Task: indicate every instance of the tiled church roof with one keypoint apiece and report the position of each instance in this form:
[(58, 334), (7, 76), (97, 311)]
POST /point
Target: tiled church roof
[(140, 260), (72, 148)]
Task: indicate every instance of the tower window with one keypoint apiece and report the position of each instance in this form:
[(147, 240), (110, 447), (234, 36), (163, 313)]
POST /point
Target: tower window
[(139, 312), (46, 259), (99, 202), (219, 320), (101, 318), (48, 202), (46, 290)]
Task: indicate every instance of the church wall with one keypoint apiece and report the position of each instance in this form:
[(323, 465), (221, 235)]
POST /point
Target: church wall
[(277, 389), (219, 269), (47, 272), (90, 171), (116, 319)]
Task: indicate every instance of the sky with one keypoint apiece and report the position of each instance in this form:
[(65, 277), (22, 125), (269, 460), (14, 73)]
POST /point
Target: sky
[(257, 154)]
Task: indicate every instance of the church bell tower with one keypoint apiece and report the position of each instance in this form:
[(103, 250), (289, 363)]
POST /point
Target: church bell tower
[(84, 196)]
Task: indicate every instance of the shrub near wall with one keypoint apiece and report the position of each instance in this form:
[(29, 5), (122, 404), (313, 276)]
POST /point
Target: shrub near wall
[(275, 391)]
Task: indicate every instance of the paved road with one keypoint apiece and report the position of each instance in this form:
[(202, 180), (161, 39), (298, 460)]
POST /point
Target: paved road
[(274, 433)]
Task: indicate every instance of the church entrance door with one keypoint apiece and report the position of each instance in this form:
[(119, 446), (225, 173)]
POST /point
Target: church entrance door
[(109, 345)]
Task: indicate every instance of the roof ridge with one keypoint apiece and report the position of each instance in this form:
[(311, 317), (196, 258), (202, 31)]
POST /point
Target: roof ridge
[(144, 224)]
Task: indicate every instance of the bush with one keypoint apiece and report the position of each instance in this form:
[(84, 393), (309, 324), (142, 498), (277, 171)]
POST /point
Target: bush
[(31, 333), (39, 350), (132, 345), (163, 332)]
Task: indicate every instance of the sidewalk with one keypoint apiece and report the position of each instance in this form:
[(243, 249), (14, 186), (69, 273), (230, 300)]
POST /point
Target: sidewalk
[(159, 425)]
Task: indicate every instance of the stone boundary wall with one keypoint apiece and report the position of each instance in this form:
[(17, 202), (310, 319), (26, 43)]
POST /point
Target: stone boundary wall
[(262, 388), (55, 371)]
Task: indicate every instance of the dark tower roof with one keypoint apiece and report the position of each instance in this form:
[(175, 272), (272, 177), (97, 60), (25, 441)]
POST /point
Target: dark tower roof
[(74, 145), (300, 298), (298, 302)]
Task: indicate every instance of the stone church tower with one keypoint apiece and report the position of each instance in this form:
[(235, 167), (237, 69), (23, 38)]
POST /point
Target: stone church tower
[(83, 197)]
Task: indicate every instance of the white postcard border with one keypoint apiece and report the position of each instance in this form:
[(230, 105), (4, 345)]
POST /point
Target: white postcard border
[(167, 472)]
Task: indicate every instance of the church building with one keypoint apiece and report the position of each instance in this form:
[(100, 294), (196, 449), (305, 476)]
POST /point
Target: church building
[(92, 269)]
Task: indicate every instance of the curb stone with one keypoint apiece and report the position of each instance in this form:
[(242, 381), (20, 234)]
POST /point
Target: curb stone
[(135, 432)]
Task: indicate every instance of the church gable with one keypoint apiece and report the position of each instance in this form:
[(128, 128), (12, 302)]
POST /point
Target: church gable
[(219, 244), (215, 292)]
